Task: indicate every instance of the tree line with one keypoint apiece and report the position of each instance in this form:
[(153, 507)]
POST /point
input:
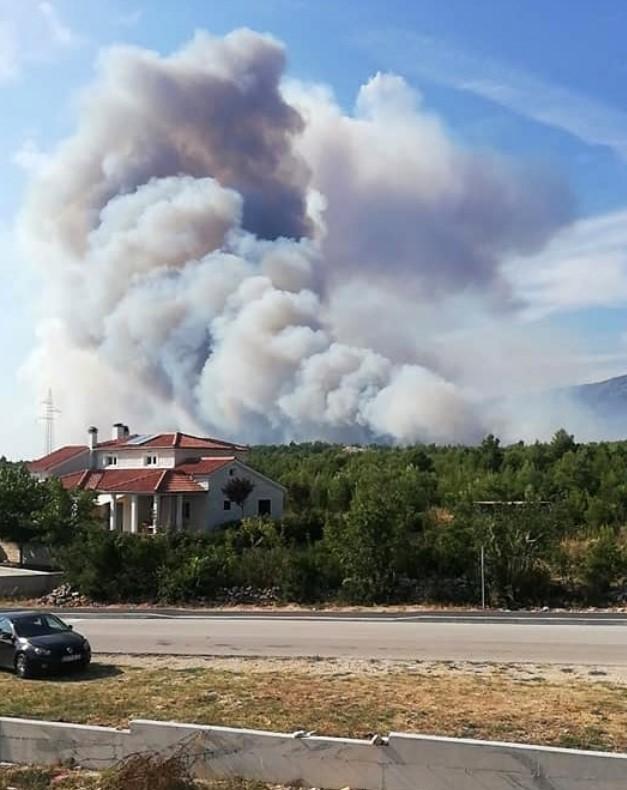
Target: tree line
[(370, 525)]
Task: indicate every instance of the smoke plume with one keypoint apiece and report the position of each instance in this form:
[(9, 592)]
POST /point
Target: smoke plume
[(226, 251)]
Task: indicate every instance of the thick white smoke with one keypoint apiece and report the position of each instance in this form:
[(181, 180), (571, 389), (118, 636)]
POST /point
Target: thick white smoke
[(209, 236)]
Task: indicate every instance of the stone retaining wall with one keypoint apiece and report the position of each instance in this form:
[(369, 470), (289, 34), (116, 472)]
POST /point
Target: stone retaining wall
[(32, 555), (399, 762)]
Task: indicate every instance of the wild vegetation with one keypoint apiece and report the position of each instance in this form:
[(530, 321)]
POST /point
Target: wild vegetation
[(139, 772), (370, 525)]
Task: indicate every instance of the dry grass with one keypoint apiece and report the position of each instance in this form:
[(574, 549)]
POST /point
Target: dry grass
[(35, 778), (532, 710)]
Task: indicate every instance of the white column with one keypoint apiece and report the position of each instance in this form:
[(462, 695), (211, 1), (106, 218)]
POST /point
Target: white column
[(134, 513), (113, 514), (156, 511), (178, 523)]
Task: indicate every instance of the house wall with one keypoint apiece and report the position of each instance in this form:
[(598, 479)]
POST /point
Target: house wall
[(198, 520), (74, 464), (264, 489), (166, 458), (134, 459)]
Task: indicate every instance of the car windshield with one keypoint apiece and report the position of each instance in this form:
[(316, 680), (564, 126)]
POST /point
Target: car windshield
[(39, 625)]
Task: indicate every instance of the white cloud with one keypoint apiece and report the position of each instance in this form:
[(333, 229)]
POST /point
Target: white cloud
[(29, 157), (60, 32), (584, 266), (526, 94), (131, 18), (31, 33), (8, 51)]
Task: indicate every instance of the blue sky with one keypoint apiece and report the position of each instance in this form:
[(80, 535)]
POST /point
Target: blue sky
[(545, 83)]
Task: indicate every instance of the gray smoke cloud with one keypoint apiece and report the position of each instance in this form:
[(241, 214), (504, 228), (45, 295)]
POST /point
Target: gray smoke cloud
[(206, 235)]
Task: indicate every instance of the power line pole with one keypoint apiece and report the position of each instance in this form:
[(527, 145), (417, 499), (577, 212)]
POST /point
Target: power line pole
[(48, 417), (482, 577)]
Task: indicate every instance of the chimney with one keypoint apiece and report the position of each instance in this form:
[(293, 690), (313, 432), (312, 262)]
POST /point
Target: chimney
[(127, 432), (93, 437), (119, 431)]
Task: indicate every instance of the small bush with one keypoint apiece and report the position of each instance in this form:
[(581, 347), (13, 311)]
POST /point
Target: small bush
[(604, 564), (150, 772), (192, 573)]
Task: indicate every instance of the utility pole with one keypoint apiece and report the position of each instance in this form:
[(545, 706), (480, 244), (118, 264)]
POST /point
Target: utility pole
[(48, 417), (482, 577)]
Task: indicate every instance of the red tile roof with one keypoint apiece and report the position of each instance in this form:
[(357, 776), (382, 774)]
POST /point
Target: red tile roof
[(178, 483), (186, 441), (132, 481), (201, 467), (183, 441), (128, 480), (56, 458), (73, 480)]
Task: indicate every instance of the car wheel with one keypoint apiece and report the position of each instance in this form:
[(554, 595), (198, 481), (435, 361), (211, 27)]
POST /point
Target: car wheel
[(22, 668)]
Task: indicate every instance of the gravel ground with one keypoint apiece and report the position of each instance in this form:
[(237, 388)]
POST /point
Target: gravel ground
[(356, 667)]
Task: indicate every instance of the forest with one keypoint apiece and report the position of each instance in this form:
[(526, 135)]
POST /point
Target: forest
[(367, 525)]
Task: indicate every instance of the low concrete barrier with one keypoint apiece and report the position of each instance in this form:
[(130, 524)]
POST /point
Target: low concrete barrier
[(399, 762), (31, 742), (21, 583)]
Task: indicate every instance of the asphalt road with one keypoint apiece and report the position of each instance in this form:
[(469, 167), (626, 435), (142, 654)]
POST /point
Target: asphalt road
[(584, 639)]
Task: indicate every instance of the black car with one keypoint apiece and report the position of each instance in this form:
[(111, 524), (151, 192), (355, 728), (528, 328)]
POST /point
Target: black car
[(36, 642)]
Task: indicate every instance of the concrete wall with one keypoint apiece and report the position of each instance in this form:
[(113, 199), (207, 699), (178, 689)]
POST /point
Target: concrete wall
[(48, 743), (18, 583), (400, 762)]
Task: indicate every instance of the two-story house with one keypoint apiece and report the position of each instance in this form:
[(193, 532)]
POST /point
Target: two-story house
[(151, 482)]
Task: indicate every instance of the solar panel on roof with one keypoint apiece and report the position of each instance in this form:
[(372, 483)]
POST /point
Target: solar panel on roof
[(142, 438)]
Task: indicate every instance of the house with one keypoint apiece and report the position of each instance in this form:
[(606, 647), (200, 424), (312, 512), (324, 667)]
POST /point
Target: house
[(153, 482)]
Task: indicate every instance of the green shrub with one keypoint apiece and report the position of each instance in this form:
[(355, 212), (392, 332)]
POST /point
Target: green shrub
[(604, 564)]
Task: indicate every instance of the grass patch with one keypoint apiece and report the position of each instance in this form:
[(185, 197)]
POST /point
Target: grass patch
[(564, 713)]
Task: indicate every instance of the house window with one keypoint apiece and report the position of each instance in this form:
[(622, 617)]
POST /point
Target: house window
[(264, 507), (227, 504), (111, 460), (231, 472), (150, 460), (187, 510)]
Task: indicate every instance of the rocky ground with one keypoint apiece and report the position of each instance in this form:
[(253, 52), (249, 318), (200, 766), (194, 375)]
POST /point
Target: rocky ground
[(249, 598)]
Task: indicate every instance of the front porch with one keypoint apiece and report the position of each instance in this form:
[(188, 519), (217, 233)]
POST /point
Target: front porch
[(145, 513)]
